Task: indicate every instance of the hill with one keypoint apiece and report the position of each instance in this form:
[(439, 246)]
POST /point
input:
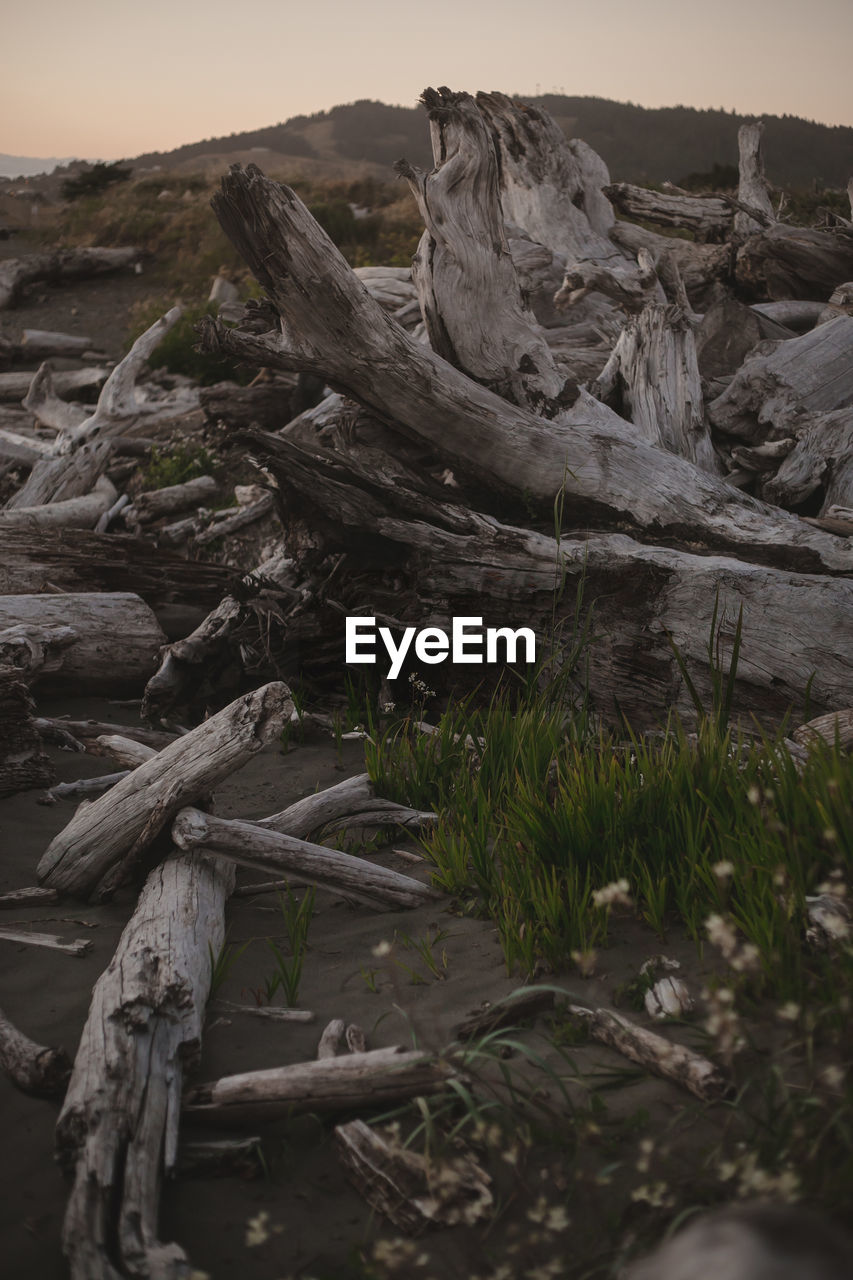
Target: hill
[(639, 144), (28, 166)]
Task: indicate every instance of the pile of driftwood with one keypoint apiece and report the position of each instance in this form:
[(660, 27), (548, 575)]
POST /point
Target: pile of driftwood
[(683, 408)]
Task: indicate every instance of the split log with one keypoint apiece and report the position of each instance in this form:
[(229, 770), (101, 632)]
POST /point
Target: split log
[(23, 763), (157, 503), (793, 262), (610, 476), (252, 845), (412, 1190), (117, 1132), (653, 1052), (350, 804), (62, 265), (15, 386), (47, 941), (180, 592), (781, 391), (709, 217), (71, 513), (104, 839), (352, 1082), (752, 185), (116, 644), (32, 1067)]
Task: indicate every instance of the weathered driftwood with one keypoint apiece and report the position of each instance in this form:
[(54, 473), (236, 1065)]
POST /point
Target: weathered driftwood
[(23, 763), (86, 734), (709, 217), (127, 751), (224, 1157), (332, 1043), (28, 649), (84, 788), (72, 513), (179, 592), (796, 315), (32, 1067), (410, 1189), (231, 523), (505, 1013), (268, 1012), (103, 839), (352, 1082), (653, 1052), (251, 845), (752, 185), (49, 941), (29, 897), (15, 386), (268, 402), (116, 638), (154, 505), (837, 726), (41, 344), (62, 476), (785, 262), (63, 264), (609, 475), (349, 804), (117, 1133), (821, 459)]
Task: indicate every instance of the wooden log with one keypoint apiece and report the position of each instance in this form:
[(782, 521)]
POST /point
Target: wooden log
[(69, 475), (752, 185), (157, 503), (411, 1190), (653, 1052), (837, 726), (709, 217), (90, 732), (32, 1067), (223, 528), (84, 787), (652, 379), (806, 376), (28, 649), (23, 763), (346, 334), (349, 804), (352, 1082), (42, 344), (821, 460), (225, 1157), (47, 941), (44, 401), (117, 1133), (800, 316), (108, 835), (117, 638), (61, 265), (127, 751), (268, 1012), (16, 386), (180, 592), (786, 262), (332, 1042), (268, 403), (252, 845), (30, 897), (71, 513), (511, 1012), (701, 266)]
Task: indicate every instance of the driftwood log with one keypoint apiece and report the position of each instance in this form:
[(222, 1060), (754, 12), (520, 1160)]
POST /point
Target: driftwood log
[(32, 1067), (23, 762), (101, 843), (64, 264)]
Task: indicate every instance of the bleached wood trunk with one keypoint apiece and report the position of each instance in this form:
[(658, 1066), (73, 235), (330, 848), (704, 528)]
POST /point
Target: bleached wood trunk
[(117, 639), (99, 846), (709, 217), (352, 1082), (607, 473), (117, 1133), (40, 344), (63, 264), (154, 505), (58, 478), (351, 803), (72, 513), (752, 185), (266, 850)]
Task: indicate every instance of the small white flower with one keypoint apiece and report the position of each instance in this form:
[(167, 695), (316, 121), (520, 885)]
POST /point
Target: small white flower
[(257, 1229), (788, 1012), (723, 870), (381, 949)]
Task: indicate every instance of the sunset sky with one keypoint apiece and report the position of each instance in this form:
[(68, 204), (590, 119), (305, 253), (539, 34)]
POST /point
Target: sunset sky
[(109, 79)]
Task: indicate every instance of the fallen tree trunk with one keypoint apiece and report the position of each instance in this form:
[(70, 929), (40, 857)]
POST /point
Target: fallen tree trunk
[(709, 217), (255, 846), (608, 476), (71, 513), (101, 843), (352, 1082), (117, 1133), (32, 1067), (16, 386), (42, 344), (154, 505), (23, 763), (352, 803), (117, 639), (63, 264), (785, 262)]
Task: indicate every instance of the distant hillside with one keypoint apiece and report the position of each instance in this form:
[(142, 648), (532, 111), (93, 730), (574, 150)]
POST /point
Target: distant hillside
[(638, 143), (27, 166)]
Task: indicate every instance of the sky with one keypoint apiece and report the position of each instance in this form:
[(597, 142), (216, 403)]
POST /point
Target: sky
[(110, 79)]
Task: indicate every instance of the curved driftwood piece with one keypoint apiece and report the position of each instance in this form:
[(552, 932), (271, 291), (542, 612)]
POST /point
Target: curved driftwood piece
[(349, 804), (252, 845), (608, 475), (32, 1067), (351, 1082), (116, 638), (64, 264), (104, 839), (837, 726), (117, 1133), (653, 1052)]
